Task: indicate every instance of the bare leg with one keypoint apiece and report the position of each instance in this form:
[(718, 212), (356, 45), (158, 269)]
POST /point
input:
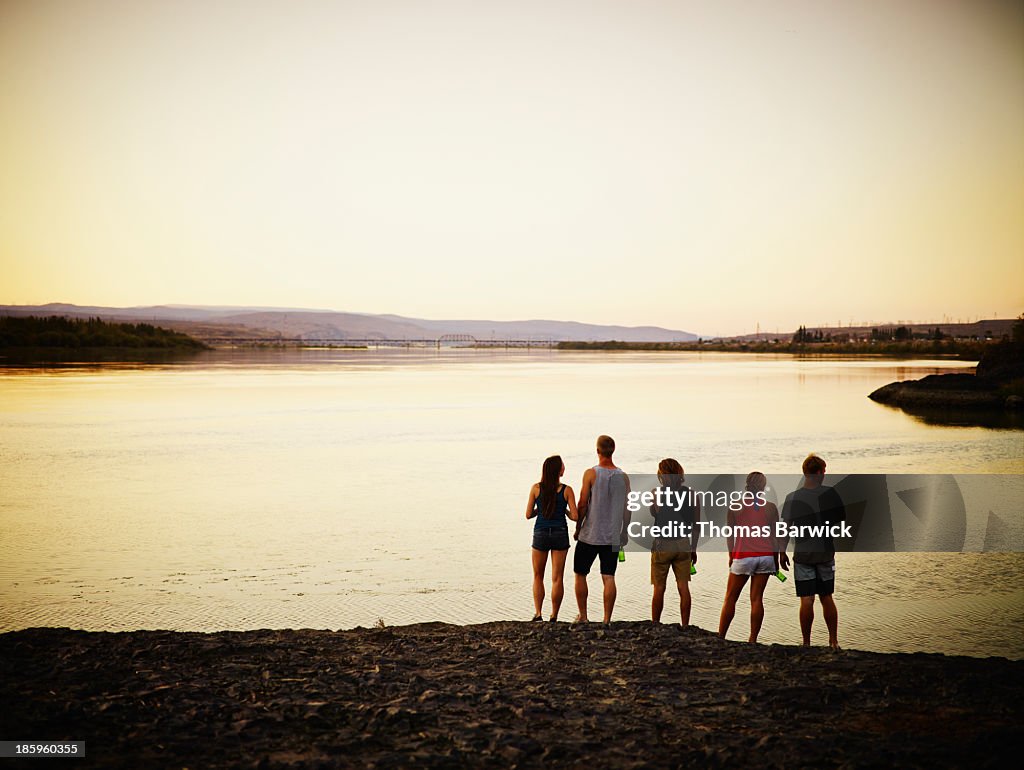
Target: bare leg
[(658, 602), (757, 585), (540, 561), (684, 602), (557, 581), (806, 618), (828, 609), (733, 589), (610, 593), (581, 597)]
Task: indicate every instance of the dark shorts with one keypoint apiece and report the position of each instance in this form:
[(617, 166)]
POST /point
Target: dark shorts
[(551, 539), (815, 579), (583, 558)]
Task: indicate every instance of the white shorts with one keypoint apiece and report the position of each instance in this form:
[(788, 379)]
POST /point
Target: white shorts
[(753, 565)]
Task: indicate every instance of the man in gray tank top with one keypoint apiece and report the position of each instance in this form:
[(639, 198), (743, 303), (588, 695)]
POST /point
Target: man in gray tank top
[(601, 528)]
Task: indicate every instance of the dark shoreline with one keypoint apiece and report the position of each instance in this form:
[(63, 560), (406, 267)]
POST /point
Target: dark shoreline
[(499, 694), (991, 396), (73, 356), (962, 392)]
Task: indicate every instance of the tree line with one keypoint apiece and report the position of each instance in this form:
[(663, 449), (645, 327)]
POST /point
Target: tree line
[(76, 333)]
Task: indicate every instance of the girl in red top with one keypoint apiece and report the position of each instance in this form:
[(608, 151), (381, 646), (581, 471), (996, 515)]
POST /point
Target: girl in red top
[(753, 553)]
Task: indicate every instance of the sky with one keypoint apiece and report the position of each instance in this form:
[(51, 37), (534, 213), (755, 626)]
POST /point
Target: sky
[(702, 166)]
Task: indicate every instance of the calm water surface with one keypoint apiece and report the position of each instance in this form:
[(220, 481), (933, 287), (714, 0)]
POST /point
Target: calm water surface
[(328, 489)]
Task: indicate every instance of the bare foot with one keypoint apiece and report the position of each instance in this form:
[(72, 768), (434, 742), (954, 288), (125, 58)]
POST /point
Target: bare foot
[(580, 619)]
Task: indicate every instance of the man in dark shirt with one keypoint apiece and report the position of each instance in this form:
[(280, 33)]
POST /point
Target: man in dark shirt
[(814, 557)]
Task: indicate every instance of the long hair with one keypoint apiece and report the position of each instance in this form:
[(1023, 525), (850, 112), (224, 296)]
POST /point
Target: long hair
[(670, 473), (756, 482), (550, 472)]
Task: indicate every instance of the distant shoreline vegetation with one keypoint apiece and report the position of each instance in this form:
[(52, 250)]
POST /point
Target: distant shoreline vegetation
[(952, 348), (57, 333)]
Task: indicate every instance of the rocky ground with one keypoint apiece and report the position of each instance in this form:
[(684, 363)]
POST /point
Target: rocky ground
[(501, 694), (953, 391)]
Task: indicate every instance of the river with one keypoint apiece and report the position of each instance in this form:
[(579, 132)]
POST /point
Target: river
[(335, 488)]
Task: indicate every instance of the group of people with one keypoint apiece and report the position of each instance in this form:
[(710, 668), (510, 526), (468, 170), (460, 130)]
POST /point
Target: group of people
[(756, 552)]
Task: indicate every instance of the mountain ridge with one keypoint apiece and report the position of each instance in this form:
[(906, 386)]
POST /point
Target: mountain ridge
[(314, 324)]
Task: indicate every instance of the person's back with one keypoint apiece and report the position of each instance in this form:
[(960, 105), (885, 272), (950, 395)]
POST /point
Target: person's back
[(559, 514), (603, 523), (676, 517), (813, 507), (755, 531)]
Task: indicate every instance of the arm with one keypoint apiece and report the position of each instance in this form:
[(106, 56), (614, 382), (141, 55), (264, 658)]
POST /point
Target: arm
[(588, 483), (570, 499), (626, 515), (534, 491), (585, 487), (730, 519), (695, 533), (780, 553), (781, 543)]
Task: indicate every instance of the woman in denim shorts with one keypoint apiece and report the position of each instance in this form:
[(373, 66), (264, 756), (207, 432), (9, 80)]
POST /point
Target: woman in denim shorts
[(550, 503)]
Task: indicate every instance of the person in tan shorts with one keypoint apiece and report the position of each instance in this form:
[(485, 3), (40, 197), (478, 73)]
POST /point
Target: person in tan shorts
[(674, 553)]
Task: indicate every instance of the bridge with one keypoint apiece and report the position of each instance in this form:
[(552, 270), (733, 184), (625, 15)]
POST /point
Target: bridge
[(444, 341)]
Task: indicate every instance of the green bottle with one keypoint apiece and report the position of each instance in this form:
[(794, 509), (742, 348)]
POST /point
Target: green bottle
[(622, 553), (780, 576), (693, 568)]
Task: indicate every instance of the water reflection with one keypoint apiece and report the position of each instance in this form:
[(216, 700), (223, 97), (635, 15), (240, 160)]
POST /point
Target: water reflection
[(248, 489)]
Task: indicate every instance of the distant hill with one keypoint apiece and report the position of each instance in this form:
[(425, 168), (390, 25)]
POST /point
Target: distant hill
[(208, 322), (556, 330)]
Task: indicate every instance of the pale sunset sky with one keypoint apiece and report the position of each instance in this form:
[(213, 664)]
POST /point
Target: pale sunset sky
[(704, 166)]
